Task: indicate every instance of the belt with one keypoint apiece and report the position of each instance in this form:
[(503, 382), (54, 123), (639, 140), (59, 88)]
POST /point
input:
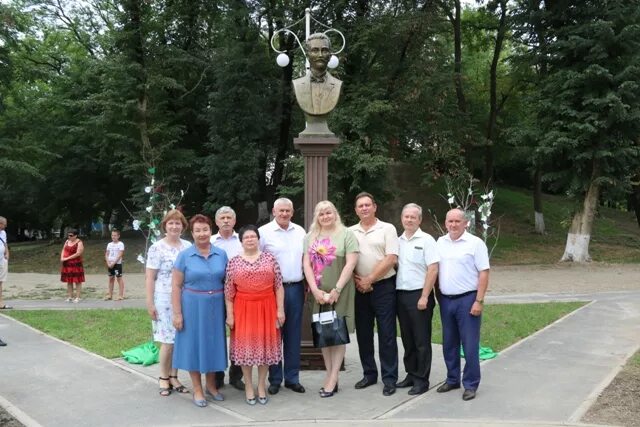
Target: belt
[(196, 291), (409, 290), (464, 294), (291, 283)]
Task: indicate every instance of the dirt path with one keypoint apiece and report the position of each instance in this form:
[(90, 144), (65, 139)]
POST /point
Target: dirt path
[(545, 279)]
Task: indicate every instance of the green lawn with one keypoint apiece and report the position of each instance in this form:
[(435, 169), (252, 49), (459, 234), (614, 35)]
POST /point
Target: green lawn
[(107, 332)]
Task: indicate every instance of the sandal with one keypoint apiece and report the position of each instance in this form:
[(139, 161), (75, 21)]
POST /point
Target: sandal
[(180, 388), (164, 391), (119, 298), (107, 297)]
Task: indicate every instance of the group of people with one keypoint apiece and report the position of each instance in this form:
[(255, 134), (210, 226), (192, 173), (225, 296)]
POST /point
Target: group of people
[(72, 268), (254, 282)]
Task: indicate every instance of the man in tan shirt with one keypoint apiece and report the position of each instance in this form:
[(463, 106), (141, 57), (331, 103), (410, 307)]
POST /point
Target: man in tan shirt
[(375, 301)]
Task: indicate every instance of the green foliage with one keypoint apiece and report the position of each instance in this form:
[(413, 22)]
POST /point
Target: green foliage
[(589, 107)]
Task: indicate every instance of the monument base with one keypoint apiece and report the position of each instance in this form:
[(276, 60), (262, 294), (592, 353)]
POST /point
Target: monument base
[(315, 148)]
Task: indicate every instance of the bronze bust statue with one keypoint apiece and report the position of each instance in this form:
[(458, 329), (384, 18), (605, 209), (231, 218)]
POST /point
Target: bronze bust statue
[(318, 91)]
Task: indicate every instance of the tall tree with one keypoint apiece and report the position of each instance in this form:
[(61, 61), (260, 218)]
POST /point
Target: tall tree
[(590, 106)]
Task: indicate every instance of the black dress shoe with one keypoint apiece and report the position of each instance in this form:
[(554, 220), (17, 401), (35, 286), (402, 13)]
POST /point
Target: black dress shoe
[(2, 343), (237, 384), (298, 388), (388, 390), (407, 382), (274, 388), (469, 394), (418, 389), (447, 387), (364, 383)]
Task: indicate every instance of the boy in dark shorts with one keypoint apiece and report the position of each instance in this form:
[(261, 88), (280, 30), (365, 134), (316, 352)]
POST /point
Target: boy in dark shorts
[(113, 258)]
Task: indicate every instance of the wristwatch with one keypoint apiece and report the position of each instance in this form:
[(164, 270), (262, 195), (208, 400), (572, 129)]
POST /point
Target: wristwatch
[(481, 301), (338, 290)]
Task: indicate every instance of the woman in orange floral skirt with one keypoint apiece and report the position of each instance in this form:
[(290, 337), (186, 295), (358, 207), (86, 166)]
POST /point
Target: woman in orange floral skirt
[(255, 312)]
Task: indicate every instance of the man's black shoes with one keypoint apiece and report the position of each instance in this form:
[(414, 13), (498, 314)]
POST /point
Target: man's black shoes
[(407, 382), (388, 390), (238, 384), (298, 388), (2, 343), (469, 394), (418, 389), (447, 387), (274, 388), (364, 383)]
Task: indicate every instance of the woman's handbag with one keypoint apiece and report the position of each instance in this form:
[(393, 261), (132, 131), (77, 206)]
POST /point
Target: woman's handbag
[(328, 329)]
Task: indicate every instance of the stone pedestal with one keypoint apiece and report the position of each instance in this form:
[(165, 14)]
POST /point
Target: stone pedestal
[(315, 150)]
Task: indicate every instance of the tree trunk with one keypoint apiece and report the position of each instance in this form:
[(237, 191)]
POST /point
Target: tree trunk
[(579, 236), (493, 95), (456, 21), (537, 201), (634, 199)]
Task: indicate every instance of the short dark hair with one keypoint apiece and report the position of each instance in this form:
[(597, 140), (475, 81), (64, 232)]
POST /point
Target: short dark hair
[(200, 218), (364, 194), (73, 231), (246, 228), (115, 230)]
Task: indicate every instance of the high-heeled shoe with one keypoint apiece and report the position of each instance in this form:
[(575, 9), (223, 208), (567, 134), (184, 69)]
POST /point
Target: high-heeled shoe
[(324, 393), (263, 400)]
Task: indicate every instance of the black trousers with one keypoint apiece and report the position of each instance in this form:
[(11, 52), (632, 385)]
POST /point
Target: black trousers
[(235, 373), (415, 330), (378, 307)]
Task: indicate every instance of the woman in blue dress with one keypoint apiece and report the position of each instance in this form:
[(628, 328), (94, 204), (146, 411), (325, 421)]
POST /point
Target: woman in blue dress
[(198, 311)]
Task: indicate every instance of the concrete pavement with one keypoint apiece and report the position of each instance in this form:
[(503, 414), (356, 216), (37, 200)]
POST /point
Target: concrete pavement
[(548, 379)]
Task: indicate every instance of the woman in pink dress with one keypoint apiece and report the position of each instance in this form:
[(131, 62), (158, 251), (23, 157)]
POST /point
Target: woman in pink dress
[(255, 312)]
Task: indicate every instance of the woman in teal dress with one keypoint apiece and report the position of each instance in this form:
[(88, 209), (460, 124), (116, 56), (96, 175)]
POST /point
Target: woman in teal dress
[(330, 255), (197, 298)]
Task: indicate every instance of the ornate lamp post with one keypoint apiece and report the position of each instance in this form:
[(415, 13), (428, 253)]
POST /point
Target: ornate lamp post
[(317, 94)]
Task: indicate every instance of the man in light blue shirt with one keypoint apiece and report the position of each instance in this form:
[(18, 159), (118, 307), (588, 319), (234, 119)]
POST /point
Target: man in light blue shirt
[(227, 239)]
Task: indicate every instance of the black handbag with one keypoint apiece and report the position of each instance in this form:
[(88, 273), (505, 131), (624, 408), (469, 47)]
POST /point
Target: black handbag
[(330, 329)]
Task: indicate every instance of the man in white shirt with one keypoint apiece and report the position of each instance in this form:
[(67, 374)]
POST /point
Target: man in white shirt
[(227, 239), (285, 240), (417, 273), (375, 301), (4, 260), (463, 279)]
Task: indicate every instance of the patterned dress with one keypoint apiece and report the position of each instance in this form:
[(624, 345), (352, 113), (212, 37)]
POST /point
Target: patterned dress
[(252, 286), (72, 270), (345, 243), (161, 257)]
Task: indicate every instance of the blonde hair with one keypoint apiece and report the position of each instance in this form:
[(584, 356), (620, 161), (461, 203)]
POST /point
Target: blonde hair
[(314, 230)]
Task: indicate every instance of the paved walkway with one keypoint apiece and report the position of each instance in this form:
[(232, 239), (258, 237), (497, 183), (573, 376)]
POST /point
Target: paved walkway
[(548, 379)]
